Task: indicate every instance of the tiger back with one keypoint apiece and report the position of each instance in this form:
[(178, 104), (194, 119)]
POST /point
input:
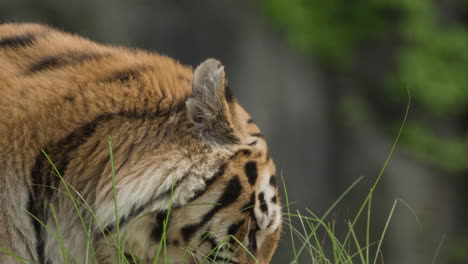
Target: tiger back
[(190, 173)]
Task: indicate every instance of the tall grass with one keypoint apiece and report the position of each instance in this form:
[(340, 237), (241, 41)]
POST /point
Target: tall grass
[(318, 237)]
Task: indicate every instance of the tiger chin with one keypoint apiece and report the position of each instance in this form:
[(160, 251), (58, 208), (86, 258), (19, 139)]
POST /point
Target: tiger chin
[(192, 172)]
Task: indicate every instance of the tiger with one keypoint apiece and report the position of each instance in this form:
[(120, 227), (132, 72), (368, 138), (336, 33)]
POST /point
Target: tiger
[(111, 153)]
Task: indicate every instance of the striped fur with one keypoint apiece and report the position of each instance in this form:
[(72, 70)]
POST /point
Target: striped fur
[(192, 168)]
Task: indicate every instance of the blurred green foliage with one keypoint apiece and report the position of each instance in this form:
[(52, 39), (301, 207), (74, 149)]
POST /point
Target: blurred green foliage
[(432, 58), (330, 29)]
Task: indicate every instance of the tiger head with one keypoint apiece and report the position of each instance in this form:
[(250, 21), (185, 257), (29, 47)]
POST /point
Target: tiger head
[(247, 211), (216, 197)]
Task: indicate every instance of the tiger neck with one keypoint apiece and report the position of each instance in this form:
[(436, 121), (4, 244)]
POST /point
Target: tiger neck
[(78, 116)]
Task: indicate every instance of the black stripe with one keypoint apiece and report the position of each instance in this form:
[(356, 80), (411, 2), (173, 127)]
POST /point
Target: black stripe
[(182, 78), (214, 256), (137, 210), (130, 259), (218, 259), (273, 180), (45, 63), (232, 230), (243, 152), (126, 75), (230, 195), (189, 230), (257, 135), (249, 206), (58, 61), (127, 157), (252, 241), (250, 121), (38, 229), (18, 41), (263, 204), (250, 169), (209, 182), (158, 230), (69, 98), (215, 176), (134, 211), (167, 193), (41, 178), (228, 138), (274, 199), (253, 143), (212, 241)]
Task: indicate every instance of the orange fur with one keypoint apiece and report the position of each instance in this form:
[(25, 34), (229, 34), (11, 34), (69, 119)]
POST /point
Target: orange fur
[(173, 144)]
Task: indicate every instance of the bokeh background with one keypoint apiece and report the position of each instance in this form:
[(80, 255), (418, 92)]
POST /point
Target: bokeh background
[(328, 83)]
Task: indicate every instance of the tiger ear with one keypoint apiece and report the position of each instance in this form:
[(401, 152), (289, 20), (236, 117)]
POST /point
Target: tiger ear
[(208, 107)]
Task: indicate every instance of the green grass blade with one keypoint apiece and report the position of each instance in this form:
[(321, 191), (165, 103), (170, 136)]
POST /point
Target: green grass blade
[(385, 230), (387, 160), (319, 248), (302, 238), (305, 232), (411, 210), (356, 242), (162, 245), (369, 205), (50, 232), (301, 249), (337, 247), (438, 249), (59, 234), (245, 248), (82, 202), (73, 200), (290, 222), (88, 244), (121, 257), (4, 251)]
